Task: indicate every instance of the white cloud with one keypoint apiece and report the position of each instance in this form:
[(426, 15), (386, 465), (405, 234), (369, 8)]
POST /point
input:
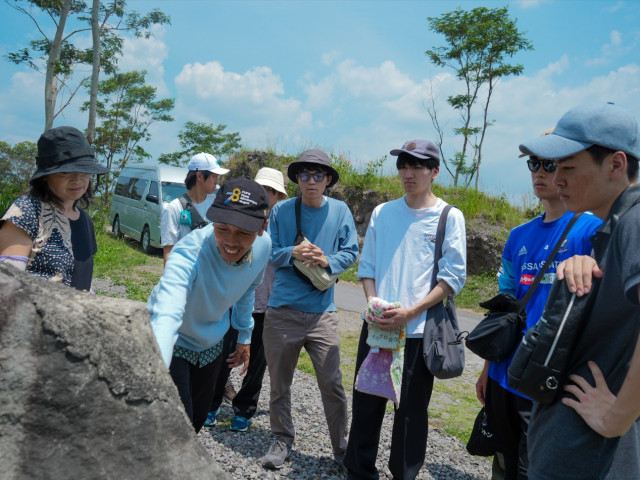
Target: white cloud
[(330, 57), (147, 54), (252, 102)]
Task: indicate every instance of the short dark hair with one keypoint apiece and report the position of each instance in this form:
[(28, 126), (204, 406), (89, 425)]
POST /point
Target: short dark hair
[(599, 153), (408, 160), (39, 188), (191, 177)]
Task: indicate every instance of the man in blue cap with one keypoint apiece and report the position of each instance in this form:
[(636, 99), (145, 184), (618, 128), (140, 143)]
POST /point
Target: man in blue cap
[(596, 148)]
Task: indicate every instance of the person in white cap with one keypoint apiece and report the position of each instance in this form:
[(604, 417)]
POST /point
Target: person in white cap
[(188, 212)]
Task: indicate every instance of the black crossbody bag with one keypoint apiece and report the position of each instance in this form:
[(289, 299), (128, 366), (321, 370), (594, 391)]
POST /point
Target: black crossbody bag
[(499, 333)]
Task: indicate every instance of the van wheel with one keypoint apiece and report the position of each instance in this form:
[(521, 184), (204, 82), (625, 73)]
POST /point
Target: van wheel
[(145, 240), (115, 228)]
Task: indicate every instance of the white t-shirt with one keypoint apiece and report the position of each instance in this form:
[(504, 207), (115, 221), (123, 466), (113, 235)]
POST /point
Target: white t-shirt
[(398, 253), (170, 229)]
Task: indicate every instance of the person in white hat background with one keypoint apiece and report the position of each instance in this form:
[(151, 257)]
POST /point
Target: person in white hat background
[(46, 232), (245, 402), (188, 213)]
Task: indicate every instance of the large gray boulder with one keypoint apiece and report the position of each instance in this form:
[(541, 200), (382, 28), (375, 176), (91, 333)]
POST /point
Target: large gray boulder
[(84, 393)]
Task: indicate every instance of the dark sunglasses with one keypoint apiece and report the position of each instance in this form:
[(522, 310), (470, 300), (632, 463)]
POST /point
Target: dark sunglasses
[(547, 165), (306, 176)]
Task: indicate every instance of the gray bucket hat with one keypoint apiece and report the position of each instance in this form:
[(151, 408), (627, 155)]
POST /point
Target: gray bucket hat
[(65, 149), (310, 159)]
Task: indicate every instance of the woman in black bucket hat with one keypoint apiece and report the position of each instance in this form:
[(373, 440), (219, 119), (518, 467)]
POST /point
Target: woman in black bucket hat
[(45, 232)]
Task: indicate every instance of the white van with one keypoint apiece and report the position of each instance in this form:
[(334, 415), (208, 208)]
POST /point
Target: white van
[(139, 196)]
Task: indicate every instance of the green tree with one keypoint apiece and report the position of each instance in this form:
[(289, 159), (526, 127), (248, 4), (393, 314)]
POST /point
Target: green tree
[(58, 57), (17, 164), (478, 44), (126, 107), (198, 137)]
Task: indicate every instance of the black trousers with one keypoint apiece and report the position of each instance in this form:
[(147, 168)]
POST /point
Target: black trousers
[(228, 347), (245, 403), (509, 416), (410, 423), (196, 386)]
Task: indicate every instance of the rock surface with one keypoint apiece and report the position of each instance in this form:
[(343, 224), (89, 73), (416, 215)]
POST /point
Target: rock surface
[(84, 391)]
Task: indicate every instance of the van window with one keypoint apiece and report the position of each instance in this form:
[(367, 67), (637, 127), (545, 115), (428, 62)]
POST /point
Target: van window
[(153, 189), (137, 189), (122, 186), (172, 190)]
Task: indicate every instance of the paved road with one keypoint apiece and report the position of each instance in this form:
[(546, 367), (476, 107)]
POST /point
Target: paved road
[(350, 297)]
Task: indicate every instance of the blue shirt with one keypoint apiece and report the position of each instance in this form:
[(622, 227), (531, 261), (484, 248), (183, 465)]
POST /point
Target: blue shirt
[(189, 307), (331, 228), (524, 254)]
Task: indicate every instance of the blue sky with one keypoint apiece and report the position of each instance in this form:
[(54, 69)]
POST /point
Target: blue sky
[(350, 77)]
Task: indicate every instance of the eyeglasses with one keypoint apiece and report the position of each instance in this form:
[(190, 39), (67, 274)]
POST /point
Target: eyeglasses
[(547, 165), (306, 176)]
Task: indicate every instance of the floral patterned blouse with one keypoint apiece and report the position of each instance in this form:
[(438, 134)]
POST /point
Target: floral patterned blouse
[(53, 254)]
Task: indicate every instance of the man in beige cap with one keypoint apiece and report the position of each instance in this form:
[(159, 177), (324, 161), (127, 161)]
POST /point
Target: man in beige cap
[(245, 403)]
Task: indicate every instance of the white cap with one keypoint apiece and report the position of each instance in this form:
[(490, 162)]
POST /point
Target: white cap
[(270, 177), (206, 161)]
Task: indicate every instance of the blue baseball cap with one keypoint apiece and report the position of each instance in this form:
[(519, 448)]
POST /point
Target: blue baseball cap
[(604, 124)]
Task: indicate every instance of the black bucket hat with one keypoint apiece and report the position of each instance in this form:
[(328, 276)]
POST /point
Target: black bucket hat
[(310, 159), (65, 149)]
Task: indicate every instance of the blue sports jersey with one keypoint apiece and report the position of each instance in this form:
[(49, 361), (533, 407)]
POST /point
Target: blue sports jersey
[(524, 254)]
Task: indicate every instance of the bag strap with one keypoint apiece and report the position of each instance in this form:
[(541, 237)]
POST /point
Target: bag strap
[(196, 219), (442, 225), (536, 281), (298, 208)]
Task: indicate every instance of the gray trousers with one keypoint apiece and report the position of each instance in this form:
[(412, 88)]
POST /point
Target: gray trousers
[(286, 331)]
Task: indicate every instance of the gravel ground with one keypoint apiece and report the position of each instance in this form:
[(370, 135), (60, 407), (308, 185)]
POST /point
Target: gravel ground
[(312, 458)]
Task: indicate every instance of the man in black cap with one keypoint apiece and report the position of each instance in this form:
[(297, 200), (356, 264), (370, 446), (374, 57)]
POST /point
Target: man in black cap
[(209, 271), (396, 265), (299, 314)]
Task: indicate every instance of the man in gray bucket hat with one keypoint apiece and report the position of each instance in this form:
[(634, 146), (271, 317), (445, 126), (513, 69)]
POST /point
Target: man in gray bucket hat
[(299, 314), (596, 149)]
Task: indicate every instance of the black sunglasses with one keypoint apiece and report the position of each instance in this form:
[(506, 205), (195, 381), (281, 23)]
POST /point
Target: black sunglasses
[(306, 176), (547, 165)]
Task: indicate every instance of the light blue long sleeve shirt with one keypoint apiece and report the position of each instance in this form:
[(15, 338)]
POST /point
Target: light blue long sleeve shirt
[(329, 227), (189, 307)]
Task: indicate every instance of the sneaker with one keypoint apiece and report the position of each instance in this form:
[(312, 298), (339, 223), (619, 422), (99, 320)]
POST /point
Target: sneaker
[(339, 458), (211, 418), (277, 454), (240, 424), (229, 392)]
